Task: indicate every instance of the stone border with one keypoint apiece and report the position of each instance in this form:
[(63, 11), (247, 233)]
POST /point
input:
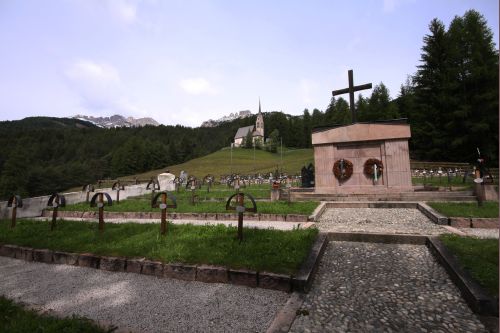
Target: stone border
[(433, 215), (181, 216), (202, 273), (478, 299), (474, 222), (286, 316), (304, 278)]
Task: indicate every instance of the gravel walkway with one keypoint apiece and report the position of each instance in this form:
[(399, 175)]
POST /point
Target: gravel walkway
[(137, 302), (280, 225), (480, 233), (367, 287), (378, 220)]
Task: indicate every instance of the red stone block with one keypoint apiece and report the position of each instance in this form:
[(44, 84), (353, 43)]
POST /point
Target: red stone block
[(42, 255), (152, 268), (134, 265), (296, 218), (180, 271), (486, 223), (113, 264), (243, 277), (88, 260), (8, 251), (460, 222), (212, 274), (65, 258), (275, 281)]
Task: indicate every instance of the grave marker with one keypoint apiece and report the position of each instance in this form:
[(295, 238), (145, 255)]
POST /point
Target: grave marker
[(56, 200), (163, 205), (14, 202), (240, 209), (98, 201)]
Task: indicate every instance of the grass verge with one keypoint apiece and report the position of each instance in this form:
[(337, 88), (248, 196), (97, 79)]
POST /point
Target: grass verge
[(466, 209), (184, 206), (16, 319), (478, 256), (262, 250)]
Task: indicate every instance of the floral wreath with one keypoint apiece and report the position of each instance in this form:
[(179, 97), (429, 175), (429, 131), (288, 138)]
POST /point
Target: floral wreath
[(368, 168), (337, 170)]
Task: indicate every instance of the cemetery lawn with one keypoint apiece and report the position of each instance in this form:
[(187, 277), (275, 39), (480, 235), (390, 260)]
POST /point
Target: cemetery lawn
[(184, 206), (478, 256), (269, 250), (466, 209), (16, 319)]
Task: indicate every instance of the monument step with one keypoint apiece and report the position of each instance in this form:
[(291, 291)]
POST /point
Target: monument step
[(464, 196)]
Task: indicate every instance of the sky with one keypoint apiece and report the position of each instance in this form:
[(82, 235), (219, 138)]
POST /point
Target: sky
[(184, 62)]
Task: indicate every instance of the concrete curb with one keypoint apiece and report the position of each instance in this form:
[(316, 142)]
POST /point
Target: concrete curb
[(286, 316), (304, 278), (478, 299), (433, 215)]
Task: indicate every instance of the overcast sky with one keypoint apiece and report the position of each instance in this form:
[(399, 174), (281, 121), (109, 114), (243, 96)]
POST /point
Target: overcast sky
[(183, 62)]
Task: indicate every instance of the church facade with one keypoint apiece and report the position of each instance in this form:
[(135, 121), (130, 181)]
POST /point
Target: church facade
[(257, 130)]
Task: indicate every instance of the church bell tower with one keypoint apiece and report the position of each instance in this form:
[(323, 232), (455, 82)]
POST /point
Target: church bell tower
[(259, 123)]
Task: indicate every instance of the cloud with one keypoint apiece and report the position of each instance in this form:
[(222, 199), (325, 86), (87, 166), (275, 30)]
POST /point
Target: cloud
[(307, 88), (100, 88), (390, 5), (123, 10), (197, 86)]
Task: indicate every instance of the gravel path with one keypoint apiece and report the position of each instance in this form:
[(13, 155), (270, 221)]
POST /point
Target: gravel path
[(138, 302), (247, 224), (480, 233), (367, 287), (379, 220)]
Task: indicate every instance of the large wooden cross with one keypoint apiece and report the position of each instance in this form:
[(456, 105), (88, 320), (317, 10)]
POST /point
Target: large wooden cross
[(352, 88)]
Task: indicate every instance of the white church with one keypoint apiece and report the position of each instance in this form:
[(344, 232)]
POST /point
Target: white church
[(257, 130)]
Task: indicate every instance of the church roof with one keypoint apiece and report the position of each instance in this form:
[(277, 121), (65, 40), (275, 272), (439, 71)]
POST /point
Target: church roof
[(243, 131)]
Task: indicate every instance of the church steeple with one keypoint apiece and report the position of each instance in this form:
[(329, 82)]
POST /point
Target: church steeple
[(259, 123)]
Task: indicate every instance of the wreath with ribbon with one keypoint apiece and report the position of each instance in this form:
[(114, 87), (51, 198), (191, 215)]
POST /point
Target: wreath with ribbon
[(368, 168), (342, 169)]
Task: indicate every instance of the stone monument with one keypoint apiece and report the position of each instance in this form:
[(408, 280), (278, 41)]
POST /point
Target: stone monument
[(362, 158), (166, 181)]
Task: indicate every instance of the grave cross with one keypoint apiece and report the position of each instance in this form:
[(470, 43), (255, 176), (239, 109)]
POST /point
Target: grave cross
[(352, 88)]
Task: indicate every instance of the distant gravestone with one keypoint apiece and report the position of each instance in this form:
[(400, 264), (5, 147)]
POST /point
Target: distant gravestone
[(166, 181)]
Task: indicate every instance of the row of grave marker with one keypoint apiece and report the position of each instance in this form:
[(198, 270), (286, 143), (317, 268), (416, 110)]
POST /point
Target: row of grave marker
[(160, 200)]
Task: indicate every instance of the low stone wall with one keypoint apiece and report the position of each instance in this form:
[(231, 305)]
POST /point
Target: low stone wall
[(181, 216), (474, 222)]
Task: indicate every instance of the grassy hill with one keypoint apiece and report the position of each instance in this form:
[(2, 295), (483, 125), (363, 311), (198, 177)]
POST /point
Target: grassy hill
[(243, 162)]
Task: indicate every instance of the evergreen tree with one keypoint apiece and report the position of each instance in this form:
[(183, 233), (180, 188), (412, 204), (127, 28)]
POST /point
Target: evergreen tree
[(248, 140)]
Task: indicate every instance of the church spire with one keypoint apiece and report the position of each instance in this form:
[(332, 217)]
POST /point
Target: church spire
[(259, 105)]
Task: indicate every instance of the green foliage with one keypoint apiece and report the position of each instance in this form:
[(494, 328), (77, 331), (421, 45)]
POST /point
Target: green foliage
[(248, 142), (16, 319), (478, 256), (263, 250), (455, 105), (489, 209), (274, 139)]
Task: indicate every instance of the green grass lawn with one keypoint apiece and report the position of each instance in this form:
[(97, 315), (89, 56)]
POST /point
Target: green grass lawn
[(15, 319), (466, 209), (270, 250), (184, 206), (478, 256)]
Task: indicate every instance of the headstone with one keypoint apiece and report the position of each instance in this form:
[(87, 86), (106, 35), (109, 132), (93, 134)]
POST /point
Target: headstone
[(166, 181)]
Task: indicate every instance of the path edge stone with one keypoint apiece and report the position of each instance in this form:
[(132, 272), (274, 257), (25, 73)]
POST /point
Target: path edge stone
[(285, 317), (303, 279), (476, 297)]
